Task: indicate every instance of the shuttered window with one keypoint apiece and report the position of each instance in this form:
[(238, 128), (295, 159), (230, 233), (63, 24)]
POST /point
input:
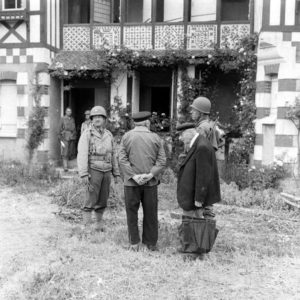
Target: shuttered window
[(8, 104)]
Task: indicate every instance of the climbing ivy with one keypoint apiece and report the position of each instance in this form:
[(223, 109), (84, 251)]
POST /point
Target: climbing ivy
[(36, 121), (241, 60)]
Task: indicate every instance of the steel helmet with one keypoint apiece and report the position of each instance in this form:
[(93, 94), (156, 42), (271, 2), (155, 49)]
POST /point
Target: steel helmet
[(98, 111), (202, 104)]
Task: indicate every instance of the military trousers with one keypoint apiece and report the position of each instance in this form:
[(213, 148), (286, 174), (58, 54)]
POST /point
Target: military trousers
[(147, 195), (98, 193)]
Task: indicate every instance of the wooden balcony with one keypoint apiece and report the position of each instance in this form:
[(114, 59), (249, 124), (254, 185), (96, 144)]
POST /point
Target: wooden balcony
[(13, 15), (155, 36)]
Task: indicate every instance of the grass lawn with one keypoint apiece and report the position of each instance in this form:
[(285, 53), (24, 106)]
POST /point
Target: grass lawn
[(256, 255)]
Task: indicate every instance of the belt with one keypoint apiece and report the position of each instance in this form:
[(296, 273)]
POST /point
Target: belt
[(98, 157)]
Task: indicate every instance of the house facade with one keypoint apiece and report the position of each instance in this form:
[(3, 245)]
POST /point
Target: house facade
[(37, 33), (278, 82), (29, 39)]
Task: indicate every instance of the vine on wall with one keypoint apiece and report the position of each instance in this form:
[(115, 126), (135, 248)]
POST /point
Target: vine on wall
[(36, 121), (241, 60)]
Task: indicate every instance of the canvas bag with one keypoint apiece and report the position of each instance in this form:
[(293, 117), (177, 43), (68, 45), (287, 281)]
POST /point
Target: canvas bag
[(197, 235)]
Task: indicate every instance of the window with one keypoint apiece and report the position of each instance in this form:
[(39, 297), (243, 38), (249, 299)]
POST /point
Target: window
[(8, 104), (12, 4), (235, 10), (297, 21), (78, 12)]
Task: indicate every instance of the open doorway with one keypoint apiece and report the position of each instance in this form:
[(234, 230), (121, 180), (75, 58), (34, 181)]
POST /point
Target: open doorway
[(79, 100), (161, 100)]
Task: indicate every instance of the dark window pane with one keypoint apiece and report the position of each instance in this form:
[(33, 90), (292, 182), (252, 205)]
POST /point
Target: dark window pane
[(19, 3), (160, 11), (10, 4), (116, 11), (235, 10), (134, 11)]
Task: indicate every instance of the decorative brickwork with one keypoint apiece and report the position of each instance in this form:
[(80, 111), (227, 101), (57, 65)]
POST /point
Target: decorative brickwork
[(138, 37), (106, 36), (232, 33), (282, 112), (284, 141), (201, 36), (169, 36), (76, 38), (263, 87), (287, 85), (262, 112), (20, 56), (21, 133), (259, 140)]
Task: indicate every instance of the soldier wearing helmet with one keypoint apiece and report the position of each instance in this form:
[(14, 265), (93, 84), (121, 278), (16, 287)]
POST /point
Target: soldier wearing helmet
[(86, 124), (96, 161), (200, 110)]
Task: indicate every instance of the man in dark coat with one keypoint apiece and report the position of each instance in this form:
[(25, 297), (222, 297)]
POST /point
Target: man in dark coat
[(198, 179)]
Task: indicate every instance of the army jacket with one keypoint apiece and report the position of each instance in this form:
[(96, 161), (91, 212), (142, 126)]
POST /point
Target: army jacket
[(207, 127), (96, 150), (67, 130), (141, 152)]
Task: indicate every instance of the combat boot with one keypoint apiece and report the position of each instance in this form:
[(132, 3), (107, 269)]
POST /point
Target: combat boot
[(99, 220), (65, 165)]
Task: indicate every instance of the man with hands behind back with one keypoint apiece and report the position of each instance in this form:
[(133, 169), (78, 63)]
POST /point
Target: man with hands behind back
[(142, 159)]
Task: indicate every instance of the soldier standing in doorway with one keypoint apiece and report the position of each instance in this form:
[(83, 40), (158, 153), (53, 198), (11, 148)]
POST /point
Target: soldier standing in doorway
[(96, 161), (87, 121), (67, 135)]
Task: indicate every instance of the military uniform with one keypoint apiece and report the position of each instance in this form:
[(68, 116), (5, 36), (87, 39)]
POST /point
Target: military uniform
[(141, 152), (85, 125), (67, 135), (97, 159)]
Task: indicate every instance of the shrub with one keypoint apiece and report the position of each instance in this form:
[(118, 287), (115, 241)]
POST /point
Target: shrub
[(256, 178), (16, 173), (265, 199)]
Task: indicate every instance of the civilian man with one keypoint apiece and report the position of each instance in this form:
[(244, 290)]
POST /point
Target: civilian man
[(142, 159)]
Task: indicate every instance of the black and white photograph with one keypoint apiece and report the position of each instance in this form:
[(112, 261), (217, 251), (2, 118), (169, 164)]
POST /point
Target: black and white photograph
[(149, 149)]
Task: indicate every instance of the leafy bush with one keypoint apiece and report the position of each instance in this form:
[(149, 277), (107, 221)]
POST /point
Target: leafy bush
[(265, 199), (256, 178), (16, 173)]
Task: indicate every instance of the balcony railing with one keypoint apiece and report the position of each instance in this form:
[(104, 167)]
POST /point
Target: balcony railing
[(13, 15), (157, 36)]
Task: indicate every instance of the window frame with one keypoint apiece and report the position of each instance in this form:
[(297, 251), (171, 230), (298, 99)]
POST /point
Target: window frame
[(12, 9)]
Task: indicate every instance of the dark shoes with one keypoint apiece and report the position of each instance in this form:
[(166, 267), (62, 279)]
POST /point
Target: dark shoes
[(152, 247)]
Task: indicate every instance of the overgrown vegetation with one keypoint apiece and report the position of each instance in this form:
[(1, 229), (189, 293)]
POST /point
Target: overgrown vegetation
[(27, 177), (36, 121)]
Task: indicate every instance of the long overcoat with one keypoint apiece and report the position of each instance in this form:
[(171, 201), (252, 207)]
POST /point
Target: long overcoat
[(198, 178)]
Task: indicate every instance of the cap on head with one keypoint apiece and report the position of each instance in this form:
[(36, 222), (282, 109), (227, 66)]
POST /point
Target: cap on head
[(141, 116), (87, 112), (202, 104), (98, 111)]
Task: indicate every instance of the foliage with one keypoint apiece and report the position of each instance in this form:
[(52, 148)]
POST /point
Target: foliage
[(72, 193), (240, 61), (293, 114), (257, 179), (119, 120), (36, 122), (15, 173), (266, 198)]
